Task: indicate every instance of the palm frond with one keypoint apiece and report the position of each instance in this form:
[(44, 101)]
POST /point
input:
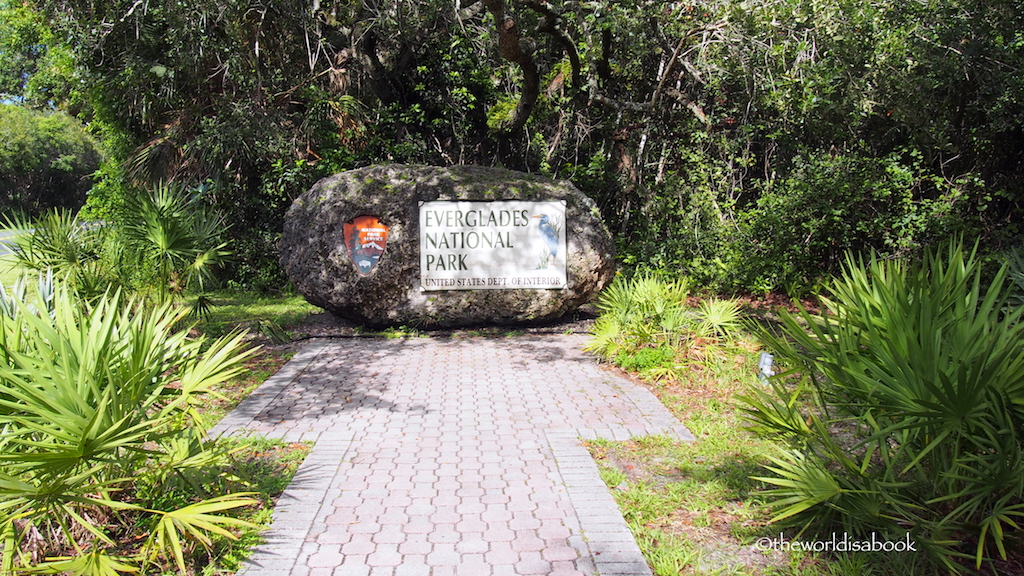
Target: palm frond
[(918, 374)]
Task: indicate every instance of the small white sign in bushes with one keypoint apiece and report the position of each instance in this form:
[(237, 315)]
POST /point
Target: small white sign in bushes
[(500, 245)]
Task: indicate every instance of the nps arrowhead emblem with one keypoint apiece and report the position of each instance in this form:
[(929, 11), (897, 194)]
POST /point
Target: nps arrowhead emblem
[(365, 239)]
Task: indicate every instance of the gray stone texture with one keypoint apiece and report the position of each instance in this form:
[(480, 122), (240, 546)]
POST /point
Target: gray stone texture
[(314, 256)]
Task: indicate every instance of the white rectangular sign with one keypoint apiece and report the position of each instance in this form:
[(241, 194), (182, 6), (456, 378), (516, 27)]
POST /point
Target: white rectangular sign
[(492, 245)]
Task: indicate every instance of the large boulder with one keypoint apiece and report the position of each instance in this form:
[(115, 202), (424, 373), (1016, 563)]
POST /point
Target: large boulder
[(384, 289)]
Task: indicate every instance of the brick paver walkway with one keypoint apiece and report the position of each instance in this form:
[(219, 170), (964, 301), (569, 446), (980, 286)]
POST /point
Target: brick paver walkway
[(444, 457)]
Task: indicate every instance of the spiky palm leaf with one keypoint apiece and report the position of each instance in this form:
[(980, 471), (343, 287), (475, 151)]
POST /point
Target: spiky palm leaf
[(171, 230), (923, 380), (91, 563), (193, 522), (60, 243), (720, 317), (93, 400)]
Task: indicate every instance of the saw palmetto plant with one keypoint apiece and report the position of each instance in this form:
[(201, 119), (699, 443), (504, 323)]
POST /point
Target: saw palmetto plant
[(649, 311), (174, 237), (904, 408), (168, 242), (104, 467), (639, 312), (59, 243)]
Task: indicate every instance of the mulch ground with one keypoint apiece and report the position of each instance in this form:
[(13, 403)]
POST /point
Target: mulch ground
[(327, 325)]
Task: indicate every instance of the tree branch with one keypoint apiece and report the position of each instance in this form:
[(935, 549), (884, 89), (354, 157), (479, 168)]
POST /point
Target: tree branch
[(520, 52), (551, 27)]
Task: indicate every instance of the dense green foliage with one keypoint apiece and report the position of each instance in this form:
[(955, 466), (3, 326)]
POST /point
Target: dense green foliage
[(907, 415), (646, 325), (104, 467), (165, 243), (216, 96), (46, 161), (36, 68), (748, 143)]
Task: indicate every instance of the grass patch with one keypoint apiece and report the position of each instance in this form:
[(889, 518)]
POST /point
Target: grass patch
[(693, 507), (400, 332), (234, 310), (268, 466)]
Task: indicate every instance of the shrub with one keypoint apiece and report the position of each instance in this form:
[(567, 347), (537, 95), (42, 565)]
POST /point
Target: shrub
[(646, 358), (167, 241), (104, 467), (647, 326), (638, 312), (914, 382), (801, 225), (46, 161)]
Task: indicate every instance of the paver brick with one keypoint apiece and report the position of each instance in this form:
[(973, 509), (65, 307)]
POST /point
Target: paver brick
[(413, 568), (444, 556), (444, 534), (389, 534), (533, 563), (439, 457), (470, 523), (352, 569), (501, 553), (327, 555), (472, 543), (416, 544), (554, 553), (364, 527), (526, 541), (418, 525), (359, 544), (498, 532), (385, 555)]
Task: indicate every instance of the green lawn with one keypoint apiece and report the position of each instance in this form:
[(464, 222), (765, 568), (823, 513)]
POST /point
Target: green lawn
[(240, 310), (693, 507)]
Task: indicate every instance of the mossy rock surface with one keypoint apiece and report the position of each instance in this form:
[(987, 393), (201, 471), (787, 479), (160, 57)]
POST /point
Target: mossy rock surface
[(314, 255)]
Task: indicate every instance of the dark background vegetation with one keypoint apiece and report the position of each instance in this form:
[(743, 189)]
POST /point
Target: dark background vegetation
[(745, 144)]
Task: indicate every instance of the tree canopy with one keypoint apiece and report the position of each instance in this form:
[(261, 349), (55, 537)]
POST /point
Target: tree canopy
[(748, 144), (46, 161)]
